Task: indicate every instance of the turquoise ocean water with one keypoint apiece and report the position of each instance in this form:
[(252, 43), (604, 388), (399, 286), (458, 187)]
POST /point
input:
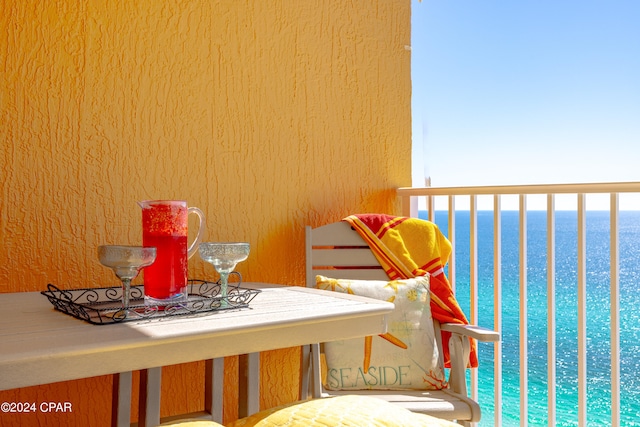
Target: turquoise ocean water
[(598, 314)]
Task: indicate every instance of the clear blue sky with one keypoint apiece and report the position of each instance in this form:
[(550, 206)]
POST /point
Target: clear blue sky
[(525, 91)]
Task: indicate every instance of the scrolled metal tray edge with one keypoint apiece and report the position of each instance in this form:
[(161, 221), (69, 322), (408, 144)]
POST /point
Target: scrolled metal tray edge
[(102, 306)]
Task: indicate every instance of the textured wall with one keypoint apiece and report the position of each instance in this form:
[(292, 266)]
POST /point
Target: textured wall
[(266, 115)]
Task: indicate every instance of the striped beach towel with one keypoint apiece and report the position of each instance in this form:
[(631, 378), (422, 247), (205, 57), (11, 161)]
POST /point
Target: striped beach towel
[(410, 247)]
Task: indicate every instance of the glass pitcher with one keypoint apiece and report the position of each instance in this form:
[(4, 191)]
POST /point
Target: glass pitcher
[(164, 226)]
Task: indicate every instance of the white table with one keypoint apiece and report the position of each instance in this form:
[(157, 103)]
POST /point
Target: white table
[(41, 345)]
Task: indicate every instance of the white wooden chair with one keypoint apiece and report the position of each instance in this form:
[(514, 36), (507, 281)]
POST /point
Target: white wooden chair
[(338, 245)]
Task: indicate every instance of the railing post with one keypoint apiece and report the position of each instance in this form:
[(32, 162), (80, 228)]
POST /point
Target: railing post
[(473, 278), (524, 348), (582, 311), (551, 304), (451, 221), (406, 206), (497, 307), (615, 309)]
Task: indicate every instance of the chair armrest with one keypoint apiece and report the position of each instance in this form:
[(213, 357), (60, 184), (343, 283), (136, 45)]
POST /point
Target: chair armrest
[(459, 350), (472, 331)]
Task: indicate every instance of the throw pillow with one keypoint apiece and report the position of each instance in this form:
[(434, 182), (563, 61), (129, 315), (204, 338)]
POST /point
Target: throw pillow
[(406, 357)]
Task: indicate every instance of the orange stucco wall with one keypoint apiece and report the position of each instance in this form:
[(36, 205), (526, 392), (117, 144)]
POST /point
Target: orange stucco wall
[(266, 115)]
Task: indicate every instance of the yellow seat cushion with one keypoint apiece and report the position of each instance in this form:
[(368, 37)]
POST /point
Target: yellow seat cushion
[(191, 423), (341, 411)]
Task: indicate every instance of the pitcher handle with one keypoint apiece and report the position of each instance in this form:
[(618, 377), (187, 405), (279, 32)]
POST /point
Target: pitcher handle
[(194, 246)]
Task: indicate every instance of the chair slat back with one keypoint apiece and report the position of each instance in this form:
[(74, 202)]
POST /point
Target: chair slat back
[(336, 250)]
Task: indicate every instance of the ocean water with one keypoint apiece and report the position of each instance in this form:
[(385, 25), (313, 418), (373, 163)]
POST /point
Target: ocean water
[(598, 314)]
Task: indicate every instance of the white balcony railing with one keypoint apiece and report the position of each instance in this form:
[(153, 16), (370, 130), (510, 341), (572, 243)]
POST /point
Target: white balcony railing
[(564, 296)]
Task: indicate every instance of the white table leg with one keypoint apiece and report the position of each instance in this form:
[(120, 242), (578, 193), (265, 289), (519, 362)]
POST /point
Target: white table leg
[(305, 370), (214, 388), (149, 409), (249, 387), (121, 400)]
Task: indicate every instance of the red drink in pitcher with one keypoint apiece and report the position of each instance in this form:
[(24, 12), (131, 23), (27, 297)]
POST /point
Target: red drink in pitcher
[(164, 226)]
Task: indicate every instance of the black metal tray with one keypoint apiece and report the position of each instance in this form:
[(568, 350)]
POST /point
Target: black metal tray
[(102, 306)]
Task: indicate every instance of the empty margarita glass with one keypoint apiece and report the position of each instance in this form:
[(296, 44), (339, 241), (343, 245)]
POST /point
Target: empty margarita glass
[(126, 262), (224, 257)]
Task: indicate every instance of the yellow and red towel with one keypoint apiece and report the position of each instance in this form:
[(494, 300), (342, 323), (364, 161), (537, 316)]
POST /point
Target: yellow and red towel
[(410, 247)]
